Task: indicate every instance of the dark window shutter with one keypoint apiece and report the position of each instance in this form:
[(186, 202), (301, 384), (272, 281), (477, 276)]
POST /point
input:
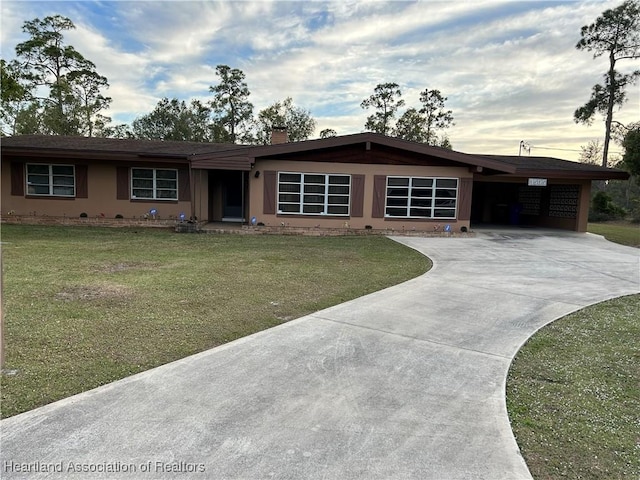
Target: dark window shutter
[(122, 183), (17, 179), (465, 189), (379, 192), (269, 193), (357, 195), (82, 181), (184, 187)]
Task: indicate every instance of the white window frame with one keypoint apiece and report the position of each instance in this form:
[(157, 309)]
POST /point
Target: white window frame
[(434, 198), (51, 182), (326, 203), (154, 188)]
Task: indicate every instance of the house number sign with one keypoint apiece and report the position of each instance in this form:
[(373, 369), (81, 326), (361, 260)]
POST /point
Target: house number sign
[(537, 182)]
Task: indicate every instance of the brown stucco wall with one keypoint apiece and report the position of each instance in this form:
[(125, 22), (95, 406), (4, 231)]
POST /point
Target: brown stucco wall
[(256, 187), (101, 201)]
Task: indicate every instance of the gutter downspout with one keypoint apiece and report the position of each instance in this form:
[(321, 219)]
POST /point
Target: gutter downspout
[(192, 191)]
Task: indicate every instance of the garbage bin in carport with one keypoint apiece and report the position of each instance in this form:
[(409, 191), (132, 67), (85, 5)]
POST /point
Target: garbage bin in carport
[(514, 213)]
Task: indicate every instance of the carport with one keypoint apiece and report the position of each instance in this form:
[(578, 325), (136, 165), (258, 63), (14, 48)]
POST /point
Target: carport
[(543, 192)]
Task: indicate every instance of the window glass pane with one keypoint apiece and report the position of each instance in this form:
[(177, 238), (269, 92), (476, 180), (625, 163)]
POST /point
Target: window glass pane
[(167, 174), (338, 200), (142, 193), (397, 192), (141, 173), (397, 202), (314, 188), (444, 212), (290, 177), (63, 180), (141, 183), (444, 193), (420, 212), (421, 202), (38, 190), (289, 197), (38, 179), (395, 182), (166, 184), (62, 170), (42, 169), (339, 189), (422, 182), (421, 192), (289, 208), (314, 199), (338, 210), (446, 203), (446, 182), (314, 179), (339, 179), (313, 209), (166, 194), (396, 212), (289, 187), (66, 191)]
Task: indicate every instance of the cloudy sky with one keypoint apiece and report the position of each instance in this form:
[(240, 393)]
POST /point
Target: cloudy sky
[(510, 69)]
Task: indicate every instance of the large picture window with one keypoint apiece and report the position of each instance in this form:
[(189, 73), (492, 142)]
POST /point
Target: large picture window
[(51, 180), (421, 197), (154, 184), (313, 193)]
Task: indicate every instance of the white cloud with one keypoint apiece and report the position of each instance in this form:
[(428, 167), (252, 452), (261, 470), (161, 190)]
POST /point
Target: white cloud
[(509, 69)]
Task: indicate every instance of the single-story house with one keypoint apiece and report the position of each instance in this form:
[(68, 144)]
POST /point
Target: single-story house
[(364, 180)]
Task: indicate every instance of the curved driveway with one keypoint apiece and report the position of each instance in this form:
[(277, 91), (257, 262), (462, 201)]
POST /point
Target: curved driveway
[(406, 383)]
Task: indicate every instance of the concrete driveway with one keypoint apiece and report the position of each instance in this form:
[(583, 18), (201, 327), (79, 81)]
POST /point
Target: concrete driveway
[(406, 383)]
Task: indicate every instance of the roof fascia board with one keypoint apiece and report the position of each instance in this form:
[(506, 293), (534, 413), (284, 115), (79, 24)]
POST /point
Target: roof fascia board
[(89, 155), (369, 139)]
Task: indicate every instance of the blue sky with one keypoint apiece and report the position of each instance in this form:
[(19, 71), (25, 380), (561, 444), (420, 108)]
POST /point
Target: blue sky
[(510, 69)]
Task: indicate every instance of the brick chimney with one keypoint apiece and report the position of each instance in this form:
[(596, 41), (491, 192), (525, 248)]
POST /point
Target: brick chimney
[(279, 135)]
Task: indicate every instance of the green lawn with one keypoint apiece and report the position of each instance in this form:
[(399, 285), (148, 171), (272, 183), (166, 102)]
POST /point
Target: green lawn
[(573, 394), (626, 234), (573, 391), (86, 306)]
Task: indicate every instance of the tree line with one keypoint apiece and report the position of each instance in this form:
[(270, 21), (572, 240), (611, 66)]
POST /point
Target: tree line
[(51, 88)]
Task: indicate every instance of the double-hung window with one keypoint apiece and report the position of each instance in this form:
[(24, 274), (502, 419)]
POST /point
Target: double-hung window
[(51, 180), (421, 197), (154, 184), (313, 193)]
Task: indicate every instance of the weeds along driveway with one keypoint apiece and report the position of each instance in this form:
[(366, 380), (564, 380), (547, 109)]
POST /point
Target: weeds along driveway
[(403, 383)]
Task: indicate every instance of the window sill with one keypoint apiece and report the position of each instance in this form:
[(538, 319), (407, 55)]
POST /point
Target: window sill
[(306, 215), (151, 200), (49, 197), (419, 219)]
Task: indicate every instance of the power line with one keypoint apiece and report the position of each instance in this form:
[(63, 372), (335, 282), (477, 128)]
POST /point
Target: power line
[(529, 147)]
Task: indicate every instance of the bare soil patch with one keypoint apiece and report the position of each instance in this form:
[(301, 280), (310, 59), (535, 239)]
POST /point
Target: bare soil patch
[(92, 292)]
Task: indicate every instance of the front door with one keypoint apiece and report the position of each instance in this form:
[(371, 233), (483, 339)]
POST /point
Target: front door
[(233, 196)]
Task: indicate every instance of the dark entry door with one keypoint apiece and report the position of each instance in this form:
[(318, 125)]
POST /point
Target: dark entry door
[(232, 196)]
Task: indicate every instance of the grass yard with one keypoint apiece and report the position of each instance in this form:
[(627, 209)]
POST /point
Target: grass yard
[(87, 306), (624, 233), (573, 394)]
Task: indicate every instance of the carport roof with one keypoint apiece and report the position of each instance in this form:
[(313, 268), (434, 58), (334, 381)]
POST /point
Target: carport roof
[(556, 168)]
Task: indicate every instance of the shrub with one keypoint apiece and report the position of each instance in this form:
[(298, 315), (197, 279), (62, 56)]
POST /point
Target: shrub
[(603, 208)]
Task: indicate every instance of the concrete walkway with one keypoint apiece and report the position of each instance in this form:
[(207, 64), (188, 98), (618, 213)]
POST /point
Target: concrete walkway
[(406, 383)]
